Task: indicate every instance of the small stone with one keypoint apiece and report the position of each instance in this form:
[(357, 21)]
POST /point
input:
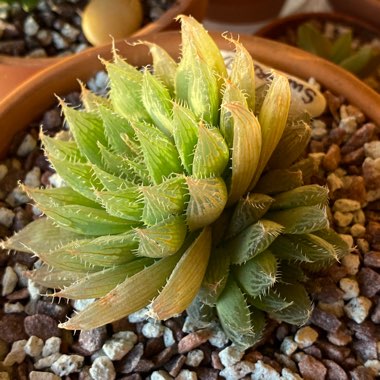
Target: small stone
[(331, 159), (343, 219), (218, 338), (369, 281), (371, 173), (27, 145), (361, 373), (174, 365), (52, 346), (138, 316), (130, 361), (346, 205), (193, 340), (357, 230), (67, 364), (47, 361), (325, 320), (194, 358), (34, 346), (12, 328), (186, 374), (152, 330), (374, 366), (372, 259), (41, 326), (288, 346), (264, 371), (334, 308), (37, 375), (168, 337), (358, 309), (334, 370), (3, 171), (33, 178), (102, 369), (365, 350), (31, 26), (9, 281), (69, 31), (287, 374), (312, 368), (160, 375), (305, 336), (359, 217), (92, 340), (372, 149), (6, 217), (359, 138), (230, 356), (17, 353), (117, 348), (59, 41), (348, 124), (350, 288), (339, 338), (334, 182), (13, 307), (54, 310), (238, 370), (351, 262), (363, 246)]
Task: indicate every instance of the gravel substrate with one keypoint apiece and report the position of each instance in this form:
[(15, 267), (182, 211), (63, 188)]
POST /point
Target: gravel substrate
[(53, 28), (341, 340)]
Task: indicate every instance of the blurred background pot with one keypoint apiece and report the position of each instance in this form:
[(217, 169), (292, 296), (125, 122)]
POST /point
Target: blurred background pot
[(37, 94)]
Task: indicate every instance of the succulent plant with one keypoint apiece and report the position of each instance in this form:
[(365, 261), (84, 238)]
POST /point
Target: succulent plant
[(183, 191), (360, 61)]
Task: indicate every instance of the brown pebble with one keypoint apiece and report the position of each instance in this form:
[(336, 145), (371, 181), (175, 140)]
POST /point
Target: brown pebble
[(175, 365), (165, 355), (359, 138), (133, 376), (337, 136), (325, 290), (375, 316), (205, 373), (372, 259), (123, 325), (130, 361), (365, 350), (12, 328), (144, 365), (42, 326), (332, 158), (215, 361), (353, 188), (334, 370), (313, 351), (92, 340), (176, 328), (333, 102), (371, 173), (311, 368), (19, 294), (193, 340), (362, 373), (354, 158), (341, 337), (366, 330), (54, 310), (369, 282), (325, 320), (153, 346), (338, 354)]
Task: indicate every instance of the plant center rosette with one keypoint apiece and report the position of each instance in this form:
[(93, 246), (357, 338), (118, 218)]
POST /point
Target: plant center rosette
[(184, 190)]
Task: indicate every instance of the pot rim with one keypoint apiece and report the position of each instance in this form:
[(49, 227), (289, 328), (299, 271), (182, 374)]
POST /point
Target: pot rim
[(22, 105)]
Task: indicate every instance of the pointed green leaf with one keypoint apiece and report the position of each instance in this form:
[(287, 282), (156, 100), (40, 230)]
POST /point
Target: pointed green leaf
[(211, 153), (208, 198), (109, 181), (162, 239), (88, 131), (98, 284), (272, 118), (185, 133), (185, 280), (131, 295), (125, 93), (300, 220), (309, 195), (253, 240), (91, 101), (41, 235), (342, 47), (309, 38), (241, 325), (303, 248), (248, 211), (245, 150), (279, 180), (163, 200), (160, 155), (340, 246), (62, 150), (123, 203), (258, 274), (157, 101), (358, 61)]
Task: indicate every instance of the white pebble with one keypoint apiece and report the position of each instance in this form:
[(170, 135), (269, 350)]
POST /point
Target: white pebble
[(168, 337), (189, 325), (372, 149), (358, 309), (17, 197), (6, 216), (31, 26), (152, 330), (230, 355), (264, 371), (35, 290), (56, 180), (351, 262), (37, 375), (238, 370), (3, 171), (34, 346), (17, 353), (350, 288), (287, 374), (138, 316), (194, 358), (10, 308), (305, 336), (33, 177), (102, 369), (20, 270), (67, 364), (116, 349), (9, 281), (160, 375), (185, 374), (374, 366), (218, 337), (127, 335), (346, 205), (52, 346), (27, 145), (349, 124), (288, 346), (80, 305), (47, 361)]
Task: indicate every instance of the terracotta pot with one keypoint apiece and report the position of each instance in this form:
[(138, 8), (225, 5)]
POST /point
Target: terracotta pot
[(243, 11), (36, 95), (279, 27), (15, 70), (368, 10)]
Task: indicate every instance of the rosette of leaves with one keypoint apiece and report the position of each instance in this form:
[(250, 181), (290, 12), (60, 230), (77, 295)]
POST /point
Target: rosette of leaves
[(360, 61), (183, 193)]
